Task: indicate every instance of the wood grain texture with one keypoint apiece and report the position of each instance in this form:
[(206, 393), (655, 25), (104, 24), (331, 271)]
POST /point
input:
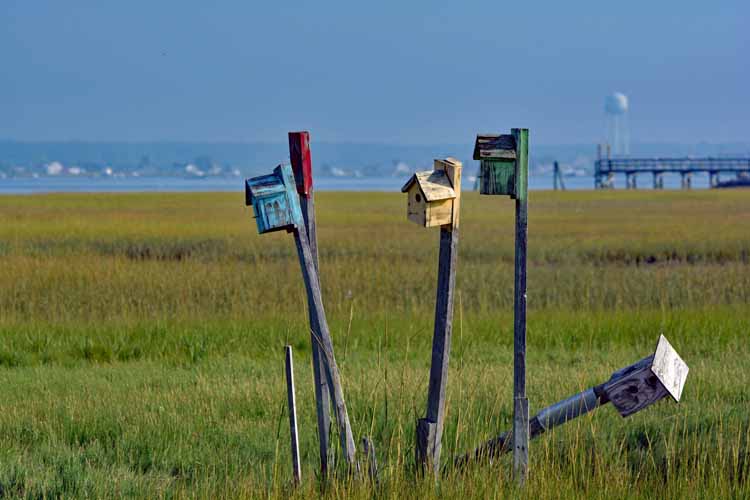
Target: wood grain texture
[(439, 213), (453, 168), (274, 201), (301, 159), (521, 439), (429, 451), (322, 390), (669, 367), (322, 336), (292, 405), (434, 184), (416, 206), (425, 449), (634, 391), (497, 146), (520, 410), (497, 177)]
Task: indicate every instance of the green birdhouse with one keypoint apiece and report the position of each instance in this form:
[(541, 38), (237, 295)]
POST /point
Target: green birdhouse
[(499, 158)]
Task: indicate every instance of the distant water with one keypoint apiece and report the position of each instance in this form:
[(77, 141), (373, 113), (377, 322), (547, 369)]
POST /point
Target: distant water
[(175, 184)]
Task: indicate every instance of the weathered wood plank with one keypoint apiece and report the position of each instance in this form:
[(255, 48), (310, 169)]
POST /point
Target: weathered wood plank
[(323, 338), (439, 213), (669, 367), (429, 441), (495, 146), (301, 159), (292, 404), (425, 448), (322, 390)]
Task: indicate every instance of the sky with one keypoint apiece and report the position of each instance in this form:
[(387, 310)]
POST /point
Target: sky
[(402, 72)]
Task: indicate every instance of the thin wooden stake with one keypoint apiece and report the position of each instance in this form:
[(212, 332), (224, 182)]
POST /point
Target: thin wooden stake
[(292, 403)]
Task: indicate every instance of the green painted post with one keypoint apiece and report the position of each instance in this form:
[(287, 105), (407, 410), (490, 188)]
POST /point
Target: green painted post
[(521, 402), (504, 170)]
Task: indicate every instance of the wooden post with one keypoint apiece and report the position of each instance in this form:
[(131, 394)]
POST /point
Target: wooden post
[(276, 207), (521, 403), (323, 338), (430, 428), (555, 173), (299, 154), (559, 178), (292, 403)]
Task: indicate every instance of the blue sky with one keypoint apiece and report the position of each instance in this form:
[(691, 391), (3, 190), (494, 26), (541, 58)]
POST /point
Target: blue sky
[(391, 72)]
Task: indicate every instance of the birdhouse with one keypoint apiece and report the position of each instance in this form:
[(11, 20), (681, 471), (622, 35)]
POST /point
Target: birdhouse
[(498, 166), (274, 200), (648, 381), (434, 194)]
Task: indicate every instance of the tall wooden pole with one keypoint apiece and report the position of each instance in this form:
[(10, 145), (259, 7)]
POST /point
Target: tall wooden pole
[(299, 154), (521, 402), (430, 428), (292, 403)]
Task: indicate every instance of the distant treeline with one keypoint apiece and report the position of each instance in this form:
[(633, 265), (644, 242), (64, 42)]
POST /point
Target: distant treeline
[(367, 159)]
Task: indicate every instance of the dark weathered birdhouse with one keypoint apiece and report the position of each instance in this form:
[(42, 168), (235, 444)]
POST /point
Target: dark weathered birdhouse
[(649, 380), (433, 194), (274, 200), (497, 168)]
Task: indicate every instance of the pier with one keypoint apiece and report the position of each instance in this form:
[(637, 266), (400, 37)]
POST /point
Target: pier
[(605, 169)]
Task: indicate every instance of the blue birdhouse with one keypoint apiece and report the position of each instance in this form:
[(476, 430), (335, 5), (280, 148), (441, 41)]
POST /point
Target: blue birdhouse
[(274, 200)]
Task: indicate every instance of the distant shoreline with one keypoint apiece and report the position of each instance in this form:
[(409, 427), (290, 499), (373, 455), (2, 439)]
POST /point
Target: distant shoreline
[(70, 184)]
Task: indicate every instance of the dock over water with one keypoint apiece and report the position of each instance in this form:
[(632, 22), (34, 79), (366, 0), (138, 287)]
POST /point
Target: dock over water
[(606, 168)]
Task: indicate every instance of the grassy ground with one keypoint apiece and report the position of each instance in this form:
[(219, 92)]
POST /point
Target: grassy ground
[(141, 343)]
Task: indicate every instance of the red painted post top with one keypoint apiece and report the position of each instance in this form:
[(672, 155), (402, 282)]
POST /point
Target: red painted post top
[(299, 153)]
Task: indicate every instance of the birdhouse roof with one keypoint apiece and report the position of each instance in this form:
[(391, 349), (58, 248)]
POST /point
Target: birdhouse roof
[(495, 147), (264, 185), (434, 184)]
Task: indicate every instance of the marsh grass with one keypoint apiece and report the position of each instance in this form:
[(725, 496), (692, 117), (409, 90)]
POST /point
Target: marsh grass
[(141, 344)]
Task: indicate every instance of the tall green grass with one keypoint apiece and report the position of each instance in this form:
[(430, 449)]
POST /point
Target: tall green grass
[(141, 335)]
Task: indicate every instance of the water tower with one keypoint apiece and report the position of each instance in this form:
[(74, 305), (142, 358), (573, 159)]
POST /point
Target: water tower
[(618, 135)]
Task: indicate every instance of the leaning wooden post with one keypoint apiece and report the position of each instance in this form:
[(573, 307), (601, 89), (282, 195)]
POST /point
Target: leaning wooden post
[(276, 207), (504, 171), (292, 404), (299, 154), (434, 200)]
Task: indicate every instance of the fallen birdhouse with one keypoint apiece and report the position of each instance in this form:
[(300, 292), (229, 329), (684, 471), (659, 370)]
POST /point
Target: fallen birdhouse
[(432, 194), (274, 200), (630, 390), (498, 167), (644, 383)]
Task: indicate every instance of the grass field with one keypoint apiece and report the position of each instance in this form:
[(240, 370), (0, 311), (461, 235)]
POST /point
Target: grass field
[(141, 343)]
